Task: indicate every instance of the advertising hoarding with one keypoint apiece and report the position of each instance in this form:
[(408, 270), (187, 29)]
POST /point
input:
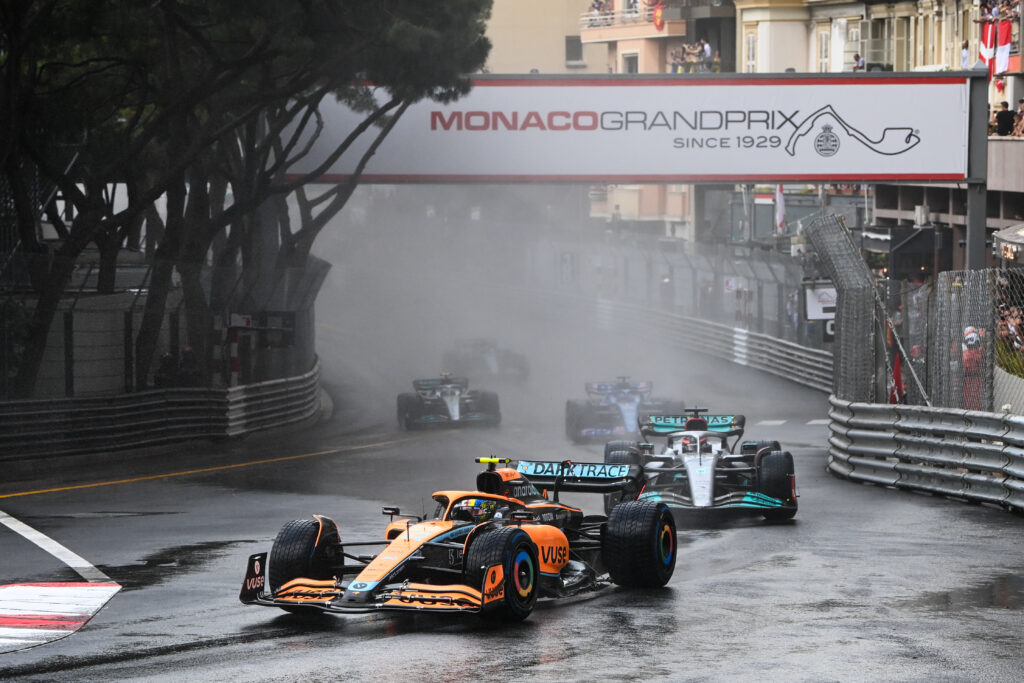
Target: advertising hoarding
[(676, 129)]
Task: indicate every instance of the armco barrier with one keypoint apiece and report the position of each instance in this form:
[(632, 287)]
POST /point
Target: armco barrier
[(965, 454), (160, 416), (150, 418), (810, 367)]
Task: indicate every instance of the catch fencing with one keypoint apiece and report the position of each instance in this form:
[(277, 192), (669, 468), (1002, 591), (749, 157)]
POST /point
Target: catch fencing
[(944, 354), (809, 367), (751, 288), (955, 341)]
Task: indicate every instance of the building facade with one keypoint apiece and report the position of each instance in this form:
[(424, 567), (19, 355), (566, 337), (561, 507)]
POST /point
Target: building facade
[(773, 36)]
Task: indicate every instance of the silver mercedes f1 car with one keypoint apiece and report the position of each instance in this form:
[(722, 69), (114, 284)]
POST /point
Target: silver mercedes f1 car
[(697, 467), (447, 402)]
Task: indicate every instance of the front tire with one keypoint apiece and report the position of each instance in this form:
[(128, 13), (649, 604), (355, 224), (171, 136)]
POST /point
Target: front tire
[(296, 553), (775, 474), (612, 446), (511, 548), (408, 411), (639, 544)]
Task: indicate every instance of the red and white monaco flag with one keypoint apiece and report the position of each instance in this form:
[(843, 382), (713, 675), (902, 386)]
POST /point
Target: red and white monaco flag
[(1004, 36), (988, 46), (780, 211)]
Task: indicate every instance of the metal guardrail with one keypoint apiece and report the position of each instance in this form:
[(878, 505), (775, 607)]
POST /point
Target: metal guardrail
[(810, 367), (966, 454), (161, 416), (155, 417)]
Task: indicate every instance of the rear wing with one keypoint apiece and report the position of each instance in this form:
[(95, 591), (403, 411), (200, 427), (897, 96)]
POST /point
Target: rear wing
[(661, 425), (584, 477), (605, 388), (431, 384)]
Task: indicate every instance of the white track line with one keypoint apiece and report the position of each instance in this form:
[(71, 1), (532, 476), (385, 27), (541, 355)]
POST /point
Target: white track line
[(771, 423), (36, 613), (83, 568)]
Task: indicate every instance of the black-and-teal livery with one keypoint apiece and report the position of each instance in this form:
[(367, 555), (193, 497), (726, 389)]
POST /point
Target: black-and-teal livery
[(447, 401), (698, 468)]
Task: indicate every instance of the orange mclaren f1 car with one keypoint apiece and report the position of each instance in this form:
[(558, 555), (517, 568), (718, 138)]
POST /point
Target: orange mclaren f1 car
[(493, 551)]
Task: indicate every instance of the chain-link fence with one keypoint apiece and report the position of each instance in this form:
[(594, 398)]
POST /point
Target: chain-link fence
[(855, 322), (954, 342), (251, 333), (747, 287)]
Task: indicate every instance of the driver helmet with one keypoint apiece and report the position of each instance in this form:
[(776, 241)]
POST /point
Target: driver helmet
[(475, 510)]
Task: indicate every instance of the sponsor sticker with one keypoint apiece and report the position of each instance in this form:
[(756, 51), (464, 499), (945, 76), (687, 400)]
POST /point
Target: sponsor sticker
[(582, 470), (494, 584)]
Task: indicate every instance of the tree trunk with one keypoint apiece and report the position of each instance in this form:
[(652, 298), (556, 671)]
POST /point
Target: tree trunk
[(109, 247), (49, 301), (159, 286)]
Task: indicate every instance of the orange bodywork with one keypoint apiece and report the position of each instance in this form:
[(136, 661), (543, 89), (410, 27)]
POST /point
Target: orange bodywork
[(403, 545), (552, 547)]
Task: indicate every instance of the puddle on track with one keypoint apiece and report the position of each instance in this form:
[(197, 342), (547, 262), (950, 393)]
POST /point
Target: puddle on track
[(167, 563), (1005, 591)]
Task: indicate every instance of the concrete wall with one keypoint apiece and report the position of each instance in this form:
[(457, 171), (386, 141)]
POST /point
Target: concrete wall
[(530, 34)]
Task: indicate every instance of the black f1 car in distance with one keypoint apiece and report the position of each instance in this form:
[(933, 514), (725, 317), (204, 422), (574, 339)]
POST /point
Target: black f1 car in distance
[(483, 358), (697, 468), (447, 402), (493, 551), (612, 408)]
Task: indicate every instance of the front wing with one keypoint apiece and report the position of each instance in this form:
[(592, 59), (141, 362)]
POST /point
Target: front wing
[(737, 499), (325, 595)]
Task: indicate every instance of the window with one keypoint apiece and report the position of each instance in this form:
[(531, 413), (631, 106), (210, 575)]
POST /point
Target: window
[(823, 49), (573, 49), (630, 64), (750, 53)]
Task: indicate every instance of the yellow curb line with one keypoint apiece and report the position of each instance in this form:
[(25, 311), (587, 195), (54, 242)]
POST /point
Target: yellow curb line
[(204, 469)]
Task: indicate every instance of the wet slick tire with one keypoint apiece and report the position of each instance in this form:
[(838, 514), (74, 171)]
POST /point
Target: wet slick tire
[(774, 473), (613, 446), (618, 458), (489, 404), (512, 548), (295, 554), (639, 544)]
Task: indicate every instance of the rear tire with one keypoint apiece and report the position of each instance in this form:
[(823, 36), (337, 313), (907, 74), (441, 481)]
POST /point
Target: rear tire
[(639, 544), (574, 411), (489, 404), (512, 548), (618, 458), (774, 478), (754, 447)]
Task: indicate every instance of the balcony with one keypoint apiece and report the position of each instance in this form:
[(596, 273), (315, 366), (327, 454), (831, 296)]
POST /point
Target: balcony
[(631, 23)]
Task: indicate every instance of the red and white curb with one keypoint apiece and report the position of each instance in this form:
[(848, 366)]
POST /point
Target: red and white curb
[(35, 613)]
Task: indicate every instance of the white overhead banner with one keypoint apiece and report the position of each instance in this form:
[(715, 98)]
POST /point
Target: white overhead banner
[(673, 129)]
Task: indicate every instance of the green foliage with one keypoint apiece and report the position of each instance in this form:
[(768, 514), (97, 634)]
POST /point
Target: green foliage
[(1009, 359)]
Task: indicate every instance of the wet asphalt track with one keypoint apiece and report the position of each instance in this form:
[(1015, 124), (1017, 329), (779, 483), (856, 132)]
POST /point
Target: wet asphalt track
[(865, 584)]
